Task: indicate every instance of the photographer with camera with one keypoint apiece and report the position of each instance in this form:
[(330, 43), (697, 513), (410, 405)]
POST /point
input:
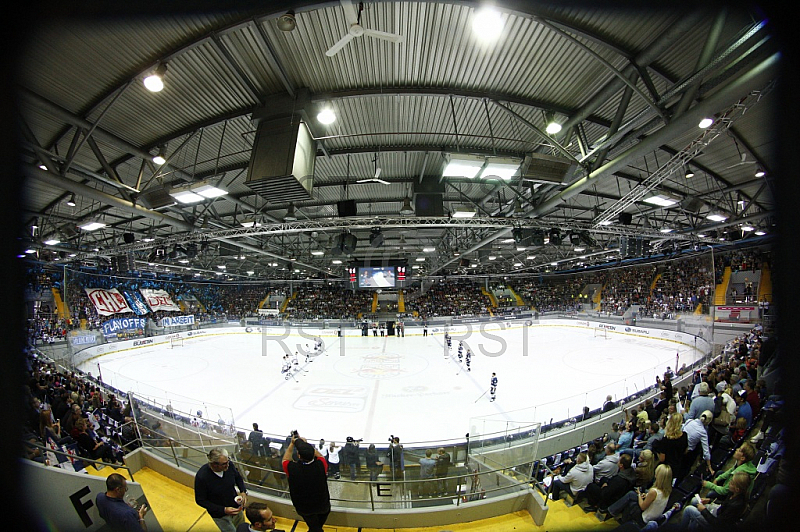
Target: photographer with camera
[(351, 458), (308, 483)]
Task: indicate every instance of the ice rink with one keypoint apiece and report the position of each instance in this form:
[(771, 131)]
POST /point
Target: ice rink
[(371, 387)]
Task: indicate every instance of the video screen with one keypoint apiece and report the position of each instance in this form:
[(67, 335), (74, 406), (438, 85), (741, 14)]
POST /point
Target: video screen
[(376, 277)]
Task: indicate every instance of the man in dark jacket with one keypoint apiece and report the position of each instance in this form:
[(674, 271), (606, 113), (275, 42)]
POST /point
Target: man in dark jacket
[(350, 456), (215, 489), (308, 483), (601, 494)]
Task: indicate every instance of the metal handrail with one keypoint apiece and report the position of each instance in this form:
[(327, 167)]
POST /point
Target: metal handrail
[(46, 449)]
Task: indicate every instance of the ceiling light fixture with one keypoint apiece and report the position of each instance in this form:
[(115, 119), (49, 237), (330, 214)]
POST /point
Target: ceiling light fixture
[(92, 226), (326, 116), (406, 209), (716, 217), (552, 127), (197, 192), (290, 214), (466, 166), (661, 200), (154, 82), (161, 157), (464, 211), (500, 167), (71, 200), (487, 24), (705, 123)]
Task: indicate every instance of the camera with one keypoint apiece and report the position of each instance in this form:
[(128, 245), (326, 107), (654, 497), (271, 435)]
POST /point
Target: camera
[(295, 434), (391, 438)]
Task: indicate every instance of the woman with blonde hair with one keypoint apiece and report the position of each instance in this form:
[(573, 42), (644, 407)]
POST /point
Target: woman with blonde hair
[(645, 469), (671, 448), (642, 506), (728, 513)]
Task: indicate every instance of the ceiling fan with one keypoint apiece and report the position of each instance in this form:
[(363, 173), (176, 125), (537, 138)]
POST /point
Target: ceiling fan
[(742, 155), (375, 179), (353, 18), (743, 162)]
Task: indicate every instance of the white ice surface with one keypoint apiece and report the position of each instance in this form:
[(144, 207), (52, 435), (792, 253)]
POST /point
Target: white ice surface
[(371, 387)]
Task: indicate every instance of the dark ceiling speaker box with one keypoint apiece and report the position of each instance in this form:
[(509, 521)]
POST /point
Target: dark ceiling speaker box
[(692, 204), (376, 238), (156, 198), (625, 218), (537, 238), (129, 238), (346, 208), (349, 242), (543, 168), (465, 263), (282, 162), (428, 205), (624, 248), (123, 263)]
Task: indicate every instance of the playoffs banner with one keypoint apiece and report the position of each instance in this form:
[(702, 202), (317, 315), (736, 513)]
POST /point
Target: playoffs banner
[(107, 302), (124, 327), (159, 300)]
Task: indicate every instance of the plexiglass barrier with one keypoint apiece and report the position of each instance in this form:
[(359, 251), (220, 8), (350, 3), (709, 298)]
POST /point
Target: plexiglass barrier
[(494, 456)]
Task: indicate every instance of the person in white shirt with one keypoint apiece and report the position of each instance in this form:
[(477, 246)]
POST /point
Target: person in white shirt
[(697, 435), (643, 506), (333, 460)]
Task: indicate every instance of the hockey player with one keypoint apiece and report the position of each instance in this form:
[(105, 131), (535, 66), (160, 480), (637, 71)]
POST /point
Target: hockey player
[(468, 357), (493, 387)]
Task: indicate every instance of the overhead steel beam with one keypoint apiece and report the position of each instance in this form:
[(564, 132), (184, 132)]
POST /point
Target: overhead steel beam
[(56, 180), (754, 79)]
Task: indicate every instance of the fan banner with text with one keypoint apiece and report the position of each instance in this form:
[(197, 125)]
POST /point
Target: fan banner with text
[(159, 300), (107, 302)]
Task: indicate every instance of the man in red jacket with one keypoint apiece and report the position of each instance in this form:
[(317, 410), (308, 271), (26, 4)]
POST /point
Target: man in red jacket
[(308, 482)]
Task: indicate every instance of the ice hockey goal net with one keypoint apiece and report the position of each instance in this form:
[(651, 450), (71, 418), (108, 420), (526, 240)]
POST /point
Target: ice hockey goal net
[(600, 332), (175, 342)]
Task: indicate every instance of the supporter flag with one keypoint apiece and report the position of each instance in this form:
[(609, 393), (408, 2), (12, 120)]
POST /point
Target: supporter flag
[(107, 302), (136, 302), (159, 300)]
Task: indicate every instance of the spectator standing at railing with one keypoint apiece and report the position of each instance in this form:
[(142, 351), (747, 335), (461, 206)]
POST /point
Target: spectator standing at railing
[(308, 485)]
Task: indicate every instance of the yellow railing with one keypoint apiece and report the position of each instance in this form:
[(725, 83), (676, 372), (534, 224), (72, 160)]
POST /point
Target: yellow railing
[(765, 284), (492, 299), (722, 288), (401, 301), (375, 302), (653, 284), (517, 297), (61, 309), (286, 302)]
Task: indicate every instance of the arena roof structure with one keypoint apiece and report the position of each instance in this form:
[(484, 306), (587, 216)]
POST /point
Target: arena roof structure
[(440, 140)]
